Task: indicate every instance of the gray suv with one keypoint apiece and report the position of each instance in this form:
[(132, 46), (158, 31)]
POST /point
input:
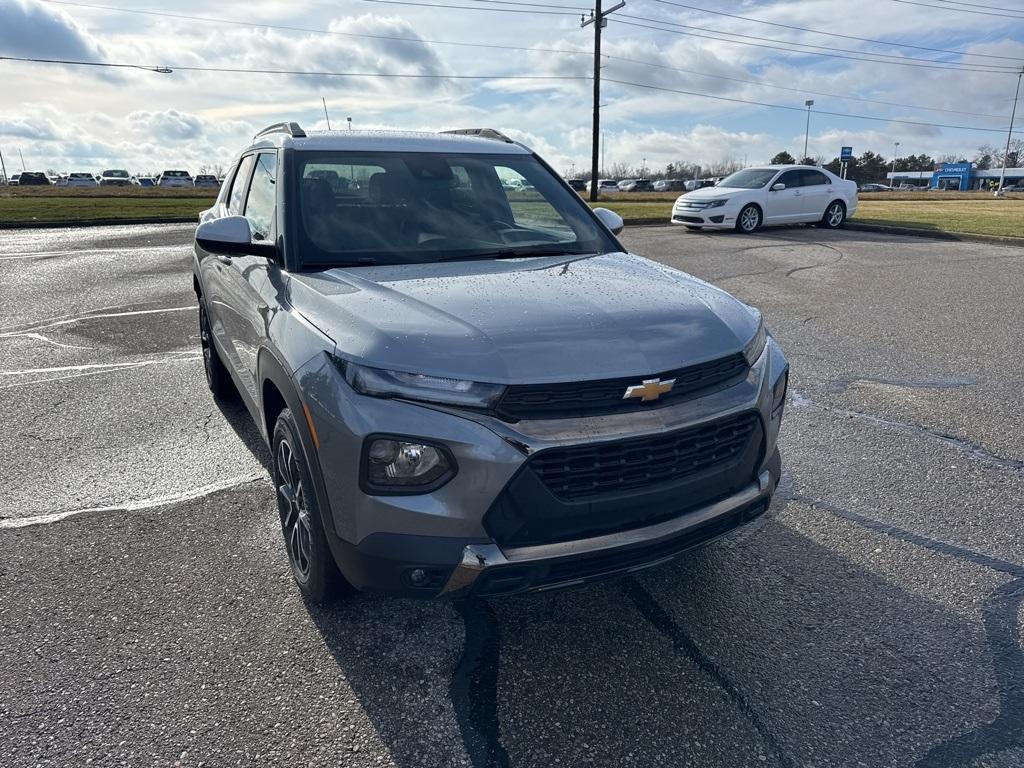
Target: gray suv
[(468, 386)]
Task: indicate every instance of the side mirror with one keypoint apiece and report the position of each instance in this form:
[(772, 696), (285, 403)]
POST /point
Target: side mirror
[(610, 219), (231, 235), (778, 186)]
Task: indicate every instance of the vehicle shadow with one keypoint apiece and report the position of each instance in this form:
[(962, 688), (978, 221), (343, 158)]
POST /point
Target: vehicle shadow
[(761, 649), (241, 422)]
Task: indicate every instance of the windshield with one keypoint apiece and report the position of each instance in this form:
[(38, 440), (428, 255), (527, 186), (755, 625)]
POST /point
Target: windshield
[(749, 178), (407, 208), (177, 174), (116, 174)]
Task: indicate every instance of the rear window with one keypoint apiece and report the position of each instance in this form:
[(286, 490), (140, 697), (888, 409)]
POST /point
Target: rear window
[(116, 174), (178, 174)]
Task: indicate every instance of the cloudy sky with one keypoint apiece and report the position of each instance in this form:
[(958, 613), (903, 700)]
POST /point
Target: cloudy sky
[(87, 118)]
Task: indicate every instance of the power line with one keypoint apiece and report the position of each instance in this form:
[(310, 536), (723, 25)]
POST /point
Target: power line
[(898, 59), (802, 90), (311, 73), (788, 49), (978, 5), (835, 34), (470, 8), (310, 30), (559, 51), (962, 10), (647, 86)]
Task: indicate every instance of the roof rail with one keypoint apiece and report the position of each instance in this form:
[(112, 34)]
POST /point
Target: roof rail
[(292, 129), (483, 133)]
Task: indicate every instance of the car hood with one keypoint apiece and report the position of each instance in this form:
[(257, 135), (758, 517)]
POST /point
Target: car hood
[(713, 193), (524, 320)]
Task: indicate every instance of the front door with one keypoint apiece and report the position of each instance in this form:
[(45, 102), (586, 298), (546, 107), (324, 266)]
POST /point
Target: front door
[(816, 192), (784, 205)]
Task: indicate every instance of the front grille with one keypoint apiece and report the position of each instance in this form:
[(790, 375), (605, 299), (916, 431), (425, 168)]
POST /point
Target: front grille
[(689, 219), (585, 471), (602, 396)]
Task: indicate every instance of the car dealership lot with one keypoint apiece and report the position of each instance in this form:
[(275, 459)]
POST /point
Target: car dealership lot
[(873, 620)]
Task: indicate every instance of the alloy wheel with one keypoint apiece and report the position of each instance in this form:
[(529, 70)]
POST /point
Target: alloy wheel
[(749, 219), (294, 511), (835, 215), (204, 341)]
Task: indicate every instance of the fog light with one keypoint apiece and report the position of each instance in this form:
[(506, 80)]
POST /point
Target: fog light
[(406, 466), (418, 577)]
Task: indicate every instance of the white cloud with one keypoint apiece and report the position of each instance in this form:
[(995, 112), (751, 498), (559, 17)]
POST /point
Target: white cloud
[(34, 29)]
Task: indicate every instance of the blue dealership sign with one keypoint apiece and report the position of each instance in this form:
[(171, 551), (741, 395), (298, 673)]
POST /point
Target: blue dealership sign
[(846, 153)]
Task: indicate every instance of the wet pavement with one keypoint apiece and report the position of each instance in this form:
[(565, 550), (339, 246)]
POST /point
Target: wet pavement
[(147, 615)]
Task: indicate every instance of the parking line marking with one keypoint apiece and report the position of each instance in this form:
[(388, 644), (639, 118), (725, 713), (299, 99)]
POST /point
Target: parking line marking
[(133, 506), (80, 318)]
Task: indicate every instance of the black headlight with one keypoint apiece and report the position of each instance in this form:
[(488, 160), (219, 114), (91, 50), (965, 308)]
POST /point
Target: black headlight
[(779, 394)]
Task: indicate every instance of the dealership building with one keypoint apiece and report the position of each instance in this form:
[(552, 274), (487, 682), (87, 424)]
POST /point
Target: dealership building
[(956, 176)]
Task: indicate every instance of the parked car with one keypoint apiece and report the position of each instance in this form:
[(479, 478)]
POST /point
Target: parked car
[(773, 194), (669, 185), (144, 181), (694, 184), (14, 180), (636, 185), (206, 180), (874, 188), (1013, 188), (605, 185), (33, 179), (80, 179), (580, 185), (174, 179), (424, 439), (115, 178)]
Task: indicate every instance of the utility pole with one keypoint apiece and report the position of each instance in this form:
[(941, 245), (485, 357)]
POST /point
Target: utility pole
[(325, 113), (1009, 134), (599, 19), (895, 152), (22, 160), (3, 168), (807, 131)]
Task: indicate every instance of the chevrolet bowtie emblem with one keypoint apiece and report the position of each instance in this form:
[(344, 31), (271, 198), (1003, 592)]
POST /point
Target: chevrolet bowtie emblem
[(650, 390)]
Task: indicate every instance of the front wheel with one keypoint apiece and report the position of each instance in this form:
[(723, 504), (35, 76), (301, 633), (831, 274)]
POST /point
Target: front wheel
[(835, 215), (309, 556), (217, 377), (749, 219)]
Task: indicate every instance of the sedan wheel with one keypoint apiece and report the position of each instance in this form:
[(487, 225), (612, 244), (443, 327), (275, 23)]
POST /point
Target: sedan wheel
[(749, 219), (834, 216)]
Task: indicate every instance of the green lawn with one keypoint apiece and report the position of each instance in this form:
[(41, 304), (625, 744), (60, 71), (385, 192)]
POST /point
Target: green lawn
[(974, 213)]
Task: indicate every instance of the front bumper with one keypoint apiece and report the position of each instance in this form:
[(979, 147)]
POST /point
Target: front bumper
[(378, 541), (712, 218)]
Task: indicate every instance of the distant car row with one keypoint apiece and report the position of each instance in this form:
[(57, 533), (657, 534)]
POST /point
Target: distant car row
[(114, 178), (643, 185)]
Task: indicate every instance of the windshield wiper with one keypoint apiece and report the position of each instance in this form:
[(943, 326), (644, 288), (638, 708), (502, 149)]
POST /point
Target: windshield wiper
[(365, 262), (517, 253)]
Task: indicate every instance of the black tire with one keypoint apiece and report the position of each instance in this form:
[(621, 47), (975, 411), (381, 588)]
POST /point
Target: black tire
[(834, 216), (309, 555), (692, 228), (217, 377), (749, 219)]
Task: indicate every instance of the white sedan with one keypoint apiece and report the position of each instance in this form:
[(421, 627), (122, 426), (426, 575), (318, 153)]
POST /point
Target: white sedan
[(771, 194)]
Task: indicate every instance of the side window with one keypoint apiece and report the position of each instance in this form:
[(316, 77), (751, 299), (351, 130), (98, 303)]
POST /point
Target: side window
[(529, 207), (259, 206), (237, 200), (789, 178), (814, 178), (225, 189)]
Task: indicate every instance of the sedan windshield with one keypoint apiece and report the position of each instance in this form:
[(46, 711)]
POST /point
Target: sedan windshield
[(409, 208), (749, 178)]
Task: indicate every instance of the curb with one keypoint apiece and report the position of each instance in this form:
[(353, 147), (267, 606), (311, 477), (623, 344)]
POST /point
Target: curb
[(934, 234), (97, 222)]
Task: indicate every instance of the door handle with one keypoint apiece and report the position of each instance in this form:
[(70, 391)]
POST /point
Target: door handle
[(223, 259)]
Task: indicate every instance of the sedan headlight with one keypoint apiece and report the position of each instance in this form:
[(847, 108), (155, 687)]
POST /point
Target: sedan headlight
[(717, 203), (378, 382), (755, 346)]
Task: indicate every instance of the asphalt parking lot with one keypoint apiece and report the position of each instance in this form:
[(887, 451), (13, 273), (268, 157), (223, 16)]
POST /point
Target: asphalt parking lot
[(147, 614)]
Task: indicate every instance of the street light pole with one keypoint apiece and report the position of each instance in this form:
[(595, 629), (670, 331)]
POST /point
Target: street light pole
[(895, 151), (807, 132), (1009, 133)]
